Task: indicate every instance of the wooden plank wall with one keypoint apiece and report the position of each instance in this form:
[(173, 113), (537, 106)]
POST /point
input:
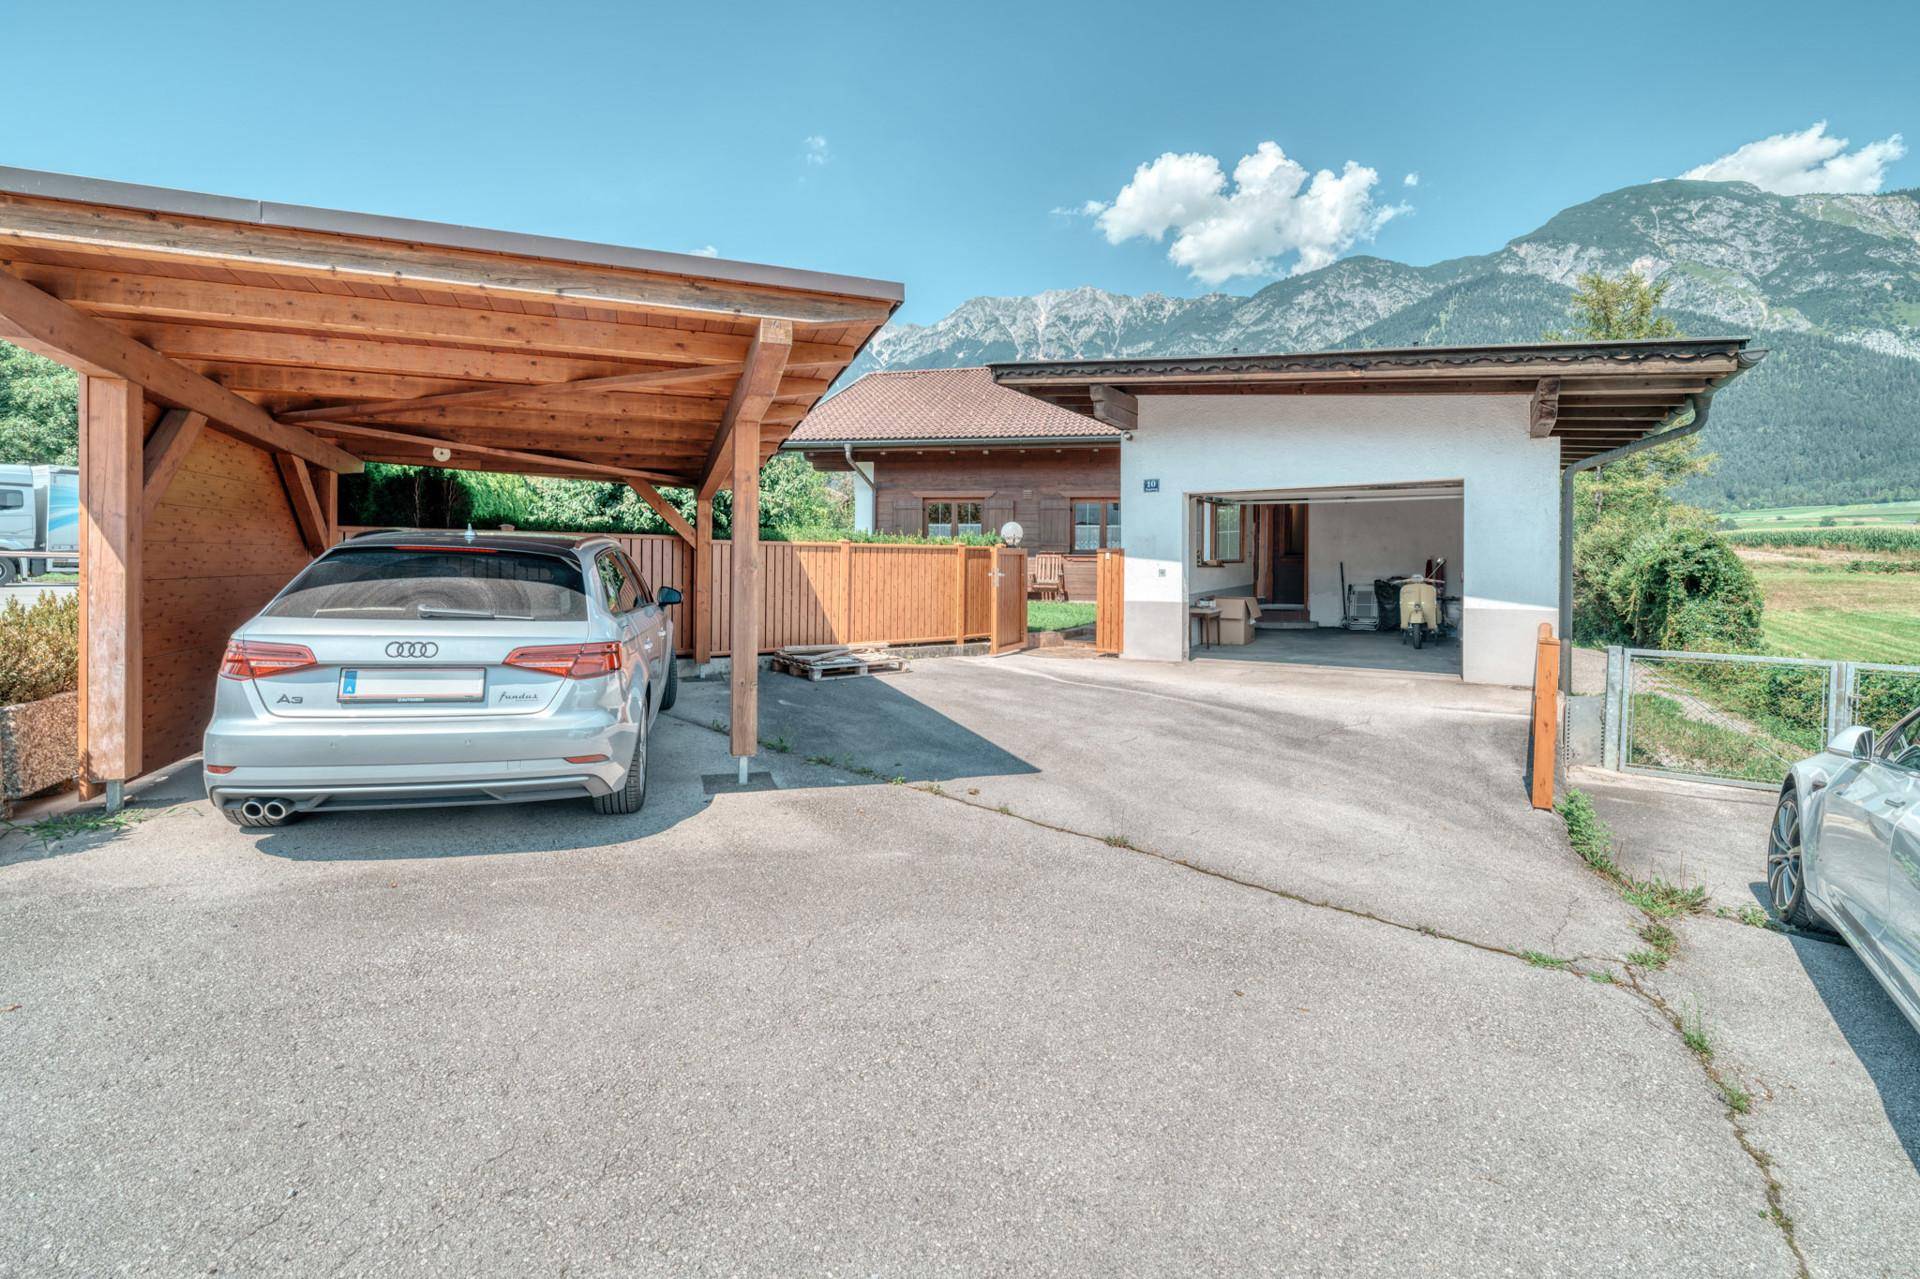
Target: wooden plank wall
[(218, 547), (826, 592)]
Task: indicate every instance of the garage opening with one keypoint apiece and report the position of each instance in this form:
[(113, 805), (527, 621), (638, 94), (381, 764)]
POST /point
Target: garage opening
[(1317, 577)]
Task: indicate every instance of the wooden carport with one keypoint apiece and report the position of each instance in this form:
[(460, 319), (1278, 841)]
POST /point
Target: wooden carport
[(236, 357)]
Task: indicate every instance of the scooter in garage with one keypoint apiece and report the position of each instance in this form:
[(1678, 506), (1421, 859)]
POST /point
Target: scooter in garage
[(1423, 614)]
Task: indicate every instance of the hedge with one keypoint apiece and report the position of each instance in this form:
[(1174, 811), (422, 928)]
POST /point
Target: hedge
[(39, 648)]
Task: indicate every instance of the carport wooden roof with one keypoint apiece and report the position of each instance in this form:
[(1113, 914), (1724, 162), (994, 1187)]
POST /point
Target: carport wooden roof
[(1591, 396), (326, 339), (384, 339)]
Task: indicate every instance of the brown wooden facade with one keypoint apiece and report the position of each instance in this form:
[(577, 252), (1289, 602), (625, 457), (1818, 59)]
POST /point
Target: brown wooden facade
[(1036, 487)]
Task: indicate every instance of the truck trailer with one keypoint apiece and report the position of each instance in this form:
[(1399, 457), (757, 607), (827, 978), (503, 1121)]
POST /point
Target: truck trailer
[(39, 520)]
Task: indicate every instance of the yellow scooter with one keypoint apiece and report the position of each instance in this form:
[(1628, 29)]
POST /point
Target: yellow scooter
[(1421, 615)]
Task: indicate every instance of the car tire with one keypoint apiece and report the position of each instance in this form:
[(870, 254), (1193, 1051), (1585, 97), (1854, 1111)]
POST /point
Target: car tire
[(631, 795), (7, 571), (1786, 867), (672, 694)]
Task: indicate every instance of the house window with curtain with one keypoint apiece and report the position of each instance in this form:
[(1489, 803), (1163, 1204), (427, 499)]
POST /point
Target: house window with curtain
[(951, 517), (1217, 533), (1096, 523)]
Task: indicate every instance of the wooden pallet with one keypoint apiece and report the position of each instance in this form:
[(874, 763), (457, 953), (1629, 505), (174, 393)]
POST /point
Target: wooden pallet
[(833, 661)]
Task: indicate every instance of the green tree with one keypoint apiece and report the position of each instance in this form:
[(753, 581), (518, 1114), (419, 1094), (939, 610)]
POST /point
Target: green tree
[(39, 409), (1647, 568)]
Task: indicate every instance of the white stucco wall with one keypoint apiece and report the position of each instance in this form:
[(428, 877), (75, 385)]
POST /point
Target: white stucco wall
[(1509, 537), (1377, 539), (863, 511)]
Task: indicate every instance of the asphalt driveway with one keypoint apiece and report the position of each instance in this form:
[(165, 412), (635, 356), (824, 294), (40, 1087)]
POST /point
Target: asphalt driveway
[(1165, 1013)]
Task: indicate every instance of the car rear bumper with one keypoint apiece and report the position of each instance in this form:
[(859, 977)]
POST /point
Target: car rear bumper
[(414, 786), (341, 763)]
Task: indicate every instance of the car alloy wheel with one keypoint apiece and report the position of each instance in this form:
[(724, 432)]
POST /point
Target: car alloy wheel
[(1786, 873)]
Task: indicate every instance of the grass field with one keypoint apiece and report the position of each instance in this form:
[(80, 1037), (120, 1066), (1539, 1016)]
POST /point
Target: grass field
[(1868, 515), (1815, 607)]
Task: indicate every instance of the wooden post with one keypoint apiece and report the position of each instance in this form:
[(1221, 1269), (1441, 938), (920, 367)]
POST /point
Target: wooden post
[(1546, 714), (112, 481), (745, 601), (960, 595), (846, 594), (328, 485), (703, 580)]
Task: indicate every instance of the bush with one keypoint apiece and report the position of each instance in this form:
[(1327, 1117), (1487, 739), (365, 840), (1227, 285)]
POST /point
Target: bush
[(39, 648), (1678, 587)]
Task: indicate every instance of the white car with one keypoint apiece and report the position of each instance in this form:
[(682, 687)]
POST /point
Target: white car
[(1844, 851)]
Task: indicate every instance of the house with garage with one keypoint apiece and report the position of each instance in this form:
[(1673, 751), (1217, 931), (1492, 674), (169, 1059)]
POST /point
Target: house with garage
[(1290, 477), (940, 452)]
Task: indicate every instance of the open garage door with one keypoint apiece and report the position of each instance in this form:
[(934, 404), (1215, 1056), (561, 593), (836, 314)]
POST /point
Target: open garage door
[(1316, 577)]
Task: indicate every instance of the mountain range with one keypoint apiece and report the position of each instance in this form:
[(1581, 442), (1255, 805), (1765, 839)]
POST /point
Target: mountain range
[(1829, 285)]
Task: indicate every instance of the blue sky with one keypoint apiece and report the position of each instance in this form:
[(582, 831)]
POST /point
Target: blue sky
[(941, 145)]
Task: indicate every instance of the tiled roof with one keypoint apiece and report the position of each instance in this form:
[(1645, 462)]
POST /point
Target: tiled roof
[(940, 404)]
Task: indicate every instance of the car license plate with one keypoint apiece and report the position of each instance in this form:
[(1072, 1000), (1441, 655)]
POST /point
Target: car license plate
[(399, 684)]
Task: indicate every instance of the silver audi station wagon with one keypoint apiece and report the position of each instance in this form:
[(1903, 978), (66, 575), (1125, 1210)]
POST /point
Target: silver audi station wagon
[(408, 670)]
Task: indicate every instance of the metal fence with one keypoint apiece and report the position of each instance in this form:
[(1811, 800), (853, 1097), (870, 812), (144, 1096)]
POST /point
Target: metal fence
[(1740, 719)]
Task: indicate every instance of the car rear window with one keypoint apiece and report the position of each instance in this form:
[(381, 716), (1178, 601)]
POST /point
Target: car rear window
[(380, 582)]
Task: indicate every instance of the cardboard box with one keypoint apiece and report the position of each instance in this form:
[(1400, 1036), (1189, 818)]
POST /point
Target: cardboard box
[(1238, 613)]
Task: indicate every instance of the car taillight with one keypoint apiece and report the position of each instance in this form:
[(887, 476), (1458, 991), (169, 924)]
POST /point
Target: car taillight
[(251, 659), (570, 661)]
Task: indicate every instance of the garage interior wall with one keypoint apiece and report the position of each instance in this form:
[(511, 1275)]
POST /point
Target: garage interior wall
[(1199, 444), (1378, 539)]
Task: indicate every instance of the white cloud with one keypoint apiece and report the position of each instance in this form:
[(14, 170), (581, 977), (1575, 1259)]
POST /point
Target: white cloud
[(1272, 210), (1411, 180), (1796, 163), (1086, 209), (705, 251), (814, 150)]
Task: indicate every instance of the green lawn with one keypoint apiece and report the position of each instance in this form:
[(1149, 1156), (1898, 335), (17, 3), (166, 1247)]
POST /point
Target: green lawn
[(1057, 615), (1864, 515), (1815, 607)]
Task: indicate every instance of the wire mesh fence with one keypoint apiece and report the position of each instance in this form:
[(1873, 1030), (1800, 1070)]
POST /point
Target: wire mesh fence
[(1740, 718), (1734, 719)]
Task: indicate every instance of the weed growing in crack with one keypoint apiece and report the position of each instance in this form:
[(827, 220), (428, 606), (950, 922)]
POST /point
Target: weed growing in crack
[(719, 726), (1750, 915), (1540, 960), (1587, 833), (934, 788), (1116, 841), (1694, 1031), (1662, 900), (1739, 1100), (824, 761), (1661, 943), (781, 745), (1603, 977), (1004, 810)]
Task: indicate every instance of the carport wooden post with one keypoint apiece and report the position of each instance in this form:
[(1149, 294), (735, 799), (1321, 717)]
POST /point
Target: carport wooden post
[(702, 580), (746, 592), (112, 475)]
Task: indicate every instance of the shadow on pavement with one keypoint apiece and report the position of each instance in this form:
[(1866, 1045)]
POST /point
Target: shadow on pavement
[(858, 725)]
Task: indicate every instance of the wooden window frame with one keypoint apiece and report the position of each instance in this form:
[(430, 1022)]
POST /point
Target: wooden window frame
[(1210, 536), (1105, 501), (950, 499)]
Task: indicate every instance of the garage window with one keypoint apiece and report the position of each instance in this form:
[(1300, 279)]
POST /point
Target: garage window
[(1217, 535)]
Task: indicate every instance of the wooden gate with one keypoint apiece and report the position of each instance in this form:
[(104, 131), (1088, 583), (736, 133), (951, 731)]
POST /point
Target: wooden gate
[(1109, 601), (1009, 601)]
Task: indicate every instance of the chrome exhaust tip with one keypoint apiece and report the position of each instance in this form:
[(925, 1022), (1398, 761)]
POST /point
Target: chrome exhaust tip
[(276, 810), (253, 809)]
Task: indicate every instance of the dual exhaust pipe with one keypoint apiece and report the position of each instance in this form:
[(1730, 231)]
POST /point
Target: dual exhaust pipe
[(273, 810)]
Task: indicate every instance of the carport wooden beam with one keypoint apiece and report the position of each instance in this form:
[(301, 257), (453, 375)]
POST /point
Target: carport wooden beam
[(44, 324)]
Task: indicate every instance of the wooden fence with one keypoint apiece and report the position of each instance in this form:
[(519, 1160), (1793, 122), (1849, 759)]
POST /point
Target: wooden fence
[(1109, 602), (831, 592)]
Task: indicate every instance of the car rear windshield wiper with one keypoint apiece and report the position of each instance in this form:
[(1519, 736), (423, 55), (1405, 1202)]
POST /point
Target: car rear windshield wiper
[(473, 614)]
